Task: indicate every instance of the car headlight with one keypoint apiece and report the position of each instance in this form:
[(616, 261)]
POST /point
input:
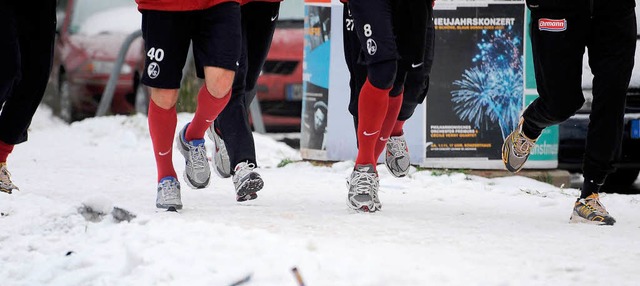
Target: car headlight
[(105, 67)]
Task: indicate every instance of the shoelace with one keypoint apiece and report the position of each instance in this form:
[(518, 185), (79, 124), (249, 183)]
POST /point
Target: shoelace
[(596, 205), (169, 190), (364, 182), (198, 156), (522, 145), (398, 147)]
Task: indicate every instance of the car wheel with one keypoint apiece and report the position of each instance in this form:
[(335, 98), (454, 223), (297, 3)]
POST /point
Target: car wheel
[(66, 111), (621, 181)]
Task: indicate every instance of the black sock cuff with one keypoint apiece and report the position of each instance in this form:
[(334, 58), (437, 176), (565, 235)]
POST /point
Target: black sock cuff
[(589, 187)]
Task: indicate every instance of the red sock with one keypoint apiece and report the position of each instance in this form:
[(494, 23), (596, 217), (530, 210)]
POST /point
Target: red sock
[(162, 126), (395, 103), (208, 109), (372, 109), (398, 128), (5, 150)]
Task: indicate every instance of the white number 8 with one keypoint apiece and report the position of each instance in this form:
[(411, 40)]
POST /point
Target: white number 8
[(367, 30)]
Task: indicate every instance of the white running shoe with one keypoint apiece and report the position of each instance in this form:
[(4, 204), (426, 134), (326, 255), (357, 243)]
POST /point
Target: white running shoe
[(6, 185), (397, 156), (221, 162), (246, 181), (169, 194), (196, 172), (363, 187)]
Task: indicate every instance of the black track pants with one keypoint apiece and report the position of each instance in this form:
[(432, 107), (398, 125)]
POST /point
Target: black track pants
[(258, 25), (26, 52), (610, 36)]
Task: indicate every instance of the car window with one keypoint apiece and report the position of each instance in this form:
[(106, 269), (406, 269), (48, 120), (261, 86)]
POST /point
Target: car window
[(85, 9), (291, 10)]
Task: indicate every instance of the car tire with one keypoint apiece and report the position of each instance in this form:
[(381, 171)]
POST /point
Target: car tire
[(621, 181), (66, 111)]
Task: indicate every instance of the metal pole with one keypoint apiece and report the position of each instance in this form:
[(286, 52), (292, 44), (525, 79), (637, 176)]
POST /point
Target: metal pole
[(256, 114), (107, 95)]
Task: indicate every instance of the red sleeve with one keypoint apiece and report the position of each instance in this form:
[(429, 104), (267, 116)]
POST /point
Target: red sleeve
[(242, 2), (179, 5)]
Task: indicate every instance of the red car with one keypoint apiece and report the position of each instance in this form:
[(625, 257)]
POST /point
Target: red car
[(279, 87), (90, 34)]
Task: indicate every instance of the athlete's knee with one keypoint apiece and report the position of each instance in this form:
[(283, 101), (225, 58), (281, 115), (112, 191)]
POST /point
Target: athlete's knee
[(382, 74), (164, 98), (218, 81)]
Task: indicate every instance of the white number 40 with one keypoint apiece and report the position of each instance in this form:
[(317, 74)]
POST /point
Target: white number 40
[(155, 54)]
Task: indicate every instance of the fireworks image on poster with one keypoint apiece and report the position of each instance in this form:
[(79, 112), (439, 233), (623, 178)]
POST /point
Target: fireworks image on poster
[(492, 90)]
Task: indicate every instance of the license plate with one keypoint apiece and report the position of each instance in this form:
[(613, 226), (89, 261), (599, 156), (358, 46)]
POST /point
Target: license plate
[(294, 92), (635, 129)]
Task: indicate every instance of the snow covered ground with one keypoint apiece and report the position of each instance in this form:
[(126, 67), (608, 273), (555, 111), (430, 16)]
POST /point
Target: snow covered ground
[(434, 229)]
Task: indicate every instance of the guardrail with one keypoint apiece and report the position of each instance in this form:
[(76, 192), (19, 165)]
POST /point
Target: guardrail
[(142, 97), (107, 95)]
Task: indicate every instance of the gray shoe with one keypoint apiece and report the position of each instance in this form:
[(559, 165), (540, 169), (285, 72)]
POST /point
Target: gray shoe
[(516, 149), (220, 156), (196, 172), (591, 210), (168, 194), (246, 181), (6, 186), (363, 187), (397, 156)]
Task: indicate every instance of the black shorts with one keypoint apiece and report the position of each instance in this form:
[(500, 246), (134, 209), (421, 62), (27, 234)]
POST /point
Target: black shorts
[(411, 20), (391, 29), (216, 37)]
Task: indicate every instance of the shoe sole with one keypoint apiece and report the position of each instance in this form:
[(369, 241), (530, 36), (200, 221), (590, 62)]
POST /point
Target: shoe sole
[(219, 159), (364, 209), (193, 186), (221, 173), (217, 141), (249, 189), (169, 207), (575, 218), (506, 151), (398, 174)]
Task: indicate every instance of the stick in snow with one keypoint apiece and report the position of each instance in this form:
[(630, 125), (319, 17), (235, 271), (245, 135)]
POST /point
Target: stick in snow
[(242, 281), (297, 275)]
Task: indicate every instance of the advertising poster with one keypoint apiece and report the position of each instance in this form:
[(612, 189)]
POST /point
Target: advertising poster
[(477, 83), (545, 153), (317, 44)]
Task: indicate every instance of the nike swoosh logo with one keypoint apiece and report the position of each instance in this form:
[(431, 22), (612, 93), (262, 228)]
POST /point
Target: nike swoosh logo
[(416, 65), (209, 121), (383, 139), (274, 17), (164, 153), (370, 134)]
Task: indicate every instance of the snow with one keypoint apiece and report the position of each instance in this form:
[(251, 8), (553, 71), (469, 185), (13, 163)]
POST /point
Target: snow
[(451, 229)]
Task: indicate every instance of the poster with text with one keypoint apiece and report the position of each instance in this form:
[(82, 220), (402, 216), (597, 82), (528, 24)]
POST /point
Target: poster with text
[(477, 84)]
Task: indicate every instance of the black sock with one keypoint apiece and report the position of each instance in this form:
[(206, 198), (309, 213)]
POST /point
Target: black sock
[(589, 187), (530, 132)]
